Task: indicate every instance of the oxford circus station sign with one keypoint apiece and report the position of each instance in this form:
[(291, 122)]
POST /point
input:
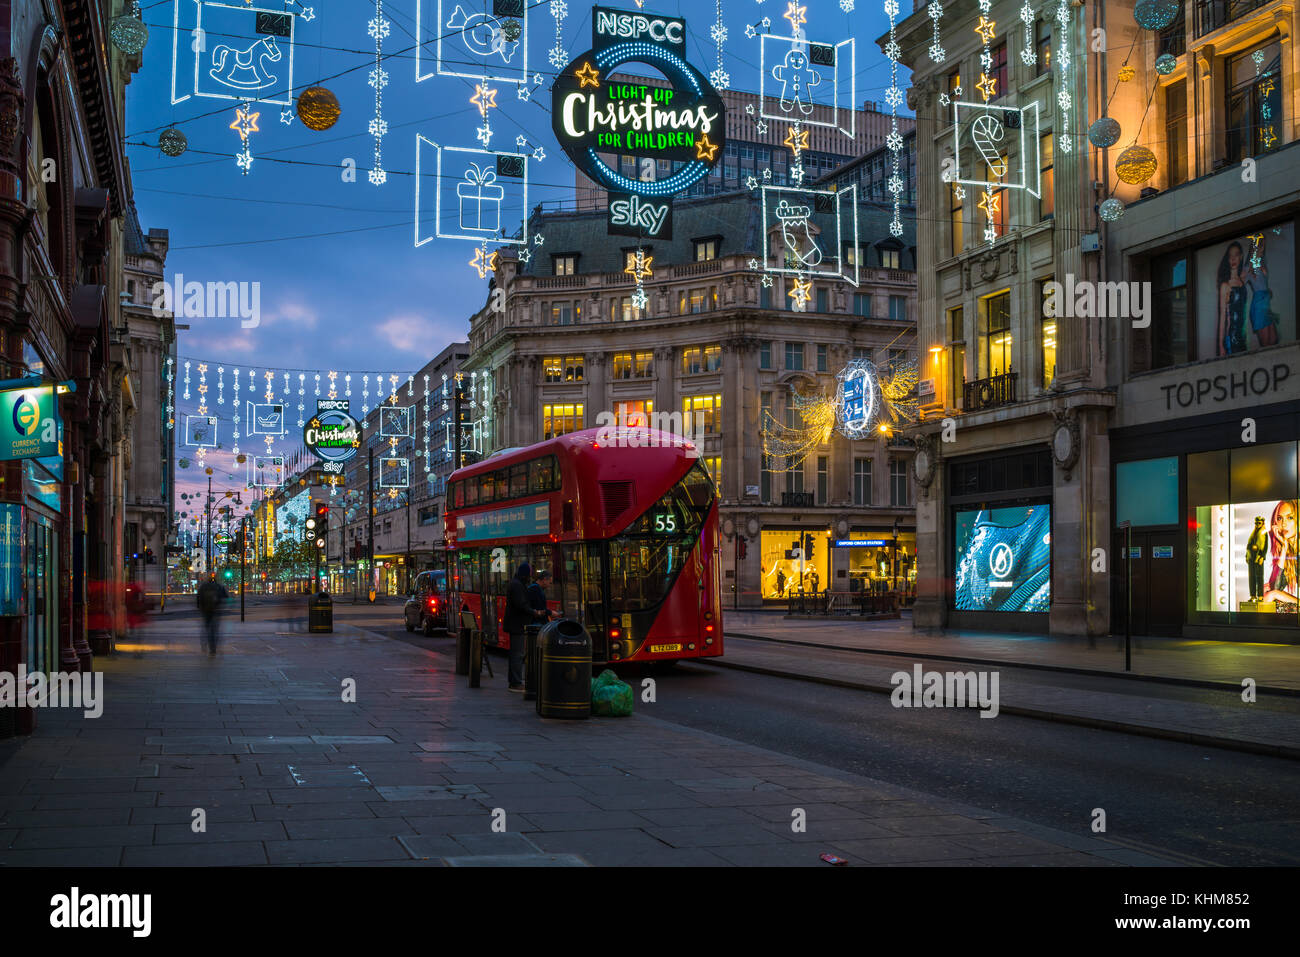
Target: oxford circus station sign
[(598, 109)]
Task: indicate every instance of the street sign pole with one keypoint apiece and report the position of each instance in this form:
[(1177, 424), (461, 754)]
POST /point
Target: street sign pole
[(1128, 594), (370, 547), (243, 544)]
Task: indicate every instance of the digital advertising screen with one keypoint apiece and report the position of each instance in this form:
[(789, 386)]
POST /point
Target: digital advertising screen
[(1003, 559), (1245, 555)]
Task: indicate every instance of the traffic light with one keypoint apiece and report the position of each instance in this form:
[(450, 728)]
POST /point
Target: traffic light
[(809, 546), (148, 557), (743, 549), (322, 512)]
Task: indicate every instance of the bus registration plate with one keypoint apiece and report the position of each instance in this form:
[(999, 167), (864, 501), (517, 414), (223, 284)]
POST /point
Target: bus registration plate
[(661, 649)]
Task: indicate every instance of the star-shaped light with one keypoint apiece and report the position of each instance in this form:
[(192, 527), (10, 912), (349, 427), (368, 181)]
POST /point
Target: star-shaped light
[(704, 150), (245, 122), (1256, 238), (484, 98), (484, 134), (761, 126), (959, 192), (990, 234), (750, 31), (538, 239), (990, 204), (539, 154), (244, 160), (521, 142), (1266, 87), (796, 14), (639, 267), (800, 292), (797, 140), (483, 263), (765, 23), (523, 92), (587, 76), (525, 255), (988, 86), (986, 29), (767, 281), (286, 116), (1268, 137), (537, 79), (639, 298), (767, 175), (754, 264), (751, 182), (944, 99), (749, 108), (307, 14)]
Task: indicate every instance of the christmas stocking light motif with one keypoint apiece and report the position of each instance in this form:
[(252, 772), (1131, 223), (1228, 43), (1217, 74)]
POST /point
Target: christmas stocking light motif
[(794, 230)]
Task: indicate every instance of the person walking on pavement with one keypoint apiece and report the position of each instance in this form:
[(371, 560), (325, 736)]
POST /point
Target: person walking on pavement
[(519, 614), (210, 596), (537, 593)]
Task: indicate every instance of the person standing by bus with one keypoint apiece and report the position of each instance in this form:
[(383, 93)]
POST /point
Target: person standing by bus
[(537, 593), (519, 614)]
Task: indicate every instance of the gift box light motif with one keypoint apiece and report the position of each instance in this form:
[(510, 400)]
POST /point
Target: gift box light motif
[(480, 199)]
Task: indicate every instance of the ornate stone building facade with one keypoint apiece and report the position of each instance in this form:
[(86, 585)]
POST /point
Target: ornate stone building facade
[(567, 344)]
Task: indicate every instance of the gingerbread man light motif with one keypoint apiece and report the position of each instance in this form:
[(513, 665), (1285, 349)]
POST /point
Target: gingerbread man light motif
[(797, 80)]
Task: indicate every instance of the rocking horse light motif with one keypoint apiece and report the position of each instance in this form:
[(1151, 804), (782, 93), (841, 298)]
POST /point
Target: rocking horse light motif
[(244, 69), (234, 50)]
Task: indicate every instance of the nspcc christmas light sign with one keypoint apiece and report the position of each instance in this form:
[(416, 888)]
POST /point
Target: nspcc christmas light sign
[(592, 113)]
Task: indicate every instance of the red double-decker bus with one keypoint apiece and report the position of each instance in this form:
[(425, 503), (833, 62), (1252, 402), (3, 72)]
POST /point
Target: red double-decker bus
[(626, 519)]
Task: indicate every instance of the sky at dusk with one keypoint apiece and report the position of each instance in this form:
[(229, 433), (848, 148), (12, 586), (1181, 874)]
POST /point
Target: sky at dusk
[(342, 285)]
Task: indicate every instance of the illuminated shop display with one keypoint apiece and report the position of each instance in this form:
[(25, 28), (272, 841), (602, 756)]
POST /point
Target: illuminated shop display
[(1003, 559), (1242, 555), (788, 562)]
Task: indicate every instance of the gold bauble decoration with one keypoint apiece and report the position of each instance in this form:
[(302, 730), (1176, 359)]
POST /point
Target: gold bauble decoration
[(318, 108), (1135, 165), (1126, 73)]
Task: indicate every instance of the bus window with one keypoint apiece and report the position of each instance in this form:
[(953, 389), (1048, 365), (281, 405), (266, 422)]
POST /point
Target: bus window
[(471, 490), (593, 587), (459, 490), (501, 568), (486, 488), (642, 570), (570, 583), (542, 474), (518, 480)]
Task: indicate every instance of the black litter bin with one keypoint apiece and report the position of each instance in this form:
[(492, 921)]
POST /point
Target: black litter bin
[(320, 613), (564, 670)]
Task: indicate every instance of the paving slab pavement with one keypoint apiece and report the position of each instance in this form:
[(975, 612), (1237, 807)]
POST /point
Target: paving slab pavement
[(261, 747)]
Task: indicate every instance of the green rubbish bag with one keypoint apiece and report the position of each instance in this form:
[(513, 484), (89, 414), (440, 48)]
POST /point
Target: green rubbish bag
[(611, 697)]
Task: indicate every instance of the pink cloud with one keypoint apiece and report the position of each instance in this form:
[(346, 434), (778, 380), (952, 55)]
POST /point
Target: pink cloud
[(403, 332)]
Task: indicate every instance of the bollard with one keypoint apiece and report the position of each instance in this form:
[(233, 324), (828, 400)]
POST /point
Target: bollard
[(475, 658), (462, 651), (530, 661)]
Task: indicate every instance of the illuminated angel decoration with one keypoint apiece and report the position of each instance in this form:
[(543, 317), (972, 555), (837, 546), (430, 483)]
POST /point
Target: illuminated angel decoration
[(787, 446)]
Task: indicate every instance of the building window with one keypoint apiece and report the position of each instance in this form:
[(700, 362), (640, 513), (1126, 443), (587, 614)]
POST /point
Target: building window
[(823, 299), (765, 354), (889, 258), (553, 369), (564, 264), (855, 254), (695, 300), (956, 354), (706, 249), (821, 357), (697, 359), (898, 308), (862, 481), (633, 365), (1169, 308), (1176, 132), (1254, 117), (794, 355), (559, 419), (705, 413), (999, 71), (765, 297), (1046, 180), (999, 218), (995, 334), (565, 313), (634, 414), (1043, 44), (628, 311), (429, 515), (956, 216), (629, 257), (823, 480), (1046, 337), (862, 304), (765, 416), (573, 368), (1173, 38), (713, 464), (898, 484), (794, 480)]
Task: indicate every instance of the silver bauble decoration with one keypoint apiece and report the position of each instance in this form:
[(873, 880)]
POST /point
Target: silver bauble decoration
[(172, 141), (129, 34), (1111, 210), (1166, 63), (1156, 14), (1103, 133)]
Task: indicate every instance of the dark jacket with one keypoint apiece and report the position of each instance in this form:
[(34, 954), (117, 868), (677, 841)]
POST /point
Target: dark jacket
[(519, 612), (210, 596), (537, 597)]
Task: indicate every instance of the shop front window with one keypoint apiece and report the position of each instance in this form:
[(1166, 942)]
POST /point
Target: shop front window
[(794, 561), (882, 563), (1244, 511)]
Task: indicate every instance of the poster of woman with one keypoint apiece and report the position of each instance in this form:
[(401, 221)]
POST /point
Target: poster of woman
[(1246, 292), (1280, 568)]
